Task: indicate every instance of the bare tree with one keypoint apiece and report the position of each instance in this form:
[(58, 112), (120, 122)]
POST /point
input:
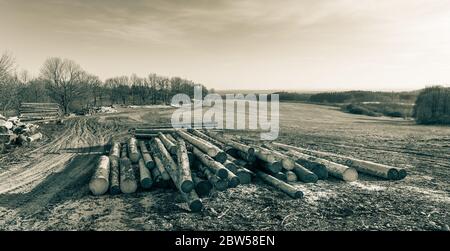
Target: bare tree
[(63, 77)]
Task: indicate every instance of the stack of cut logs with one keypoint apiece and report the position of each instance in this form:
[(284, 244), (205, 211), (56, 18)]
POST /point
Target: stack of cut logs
[(13, 132), (195, 162), (42, 112)]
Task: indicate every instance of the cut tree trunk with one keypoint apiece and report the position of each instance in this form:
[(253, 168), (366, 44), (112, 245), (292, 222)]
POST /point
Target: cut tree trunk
[(304, 174), (210, 149), (202, 187), (133, 152), (283, 186), (184, 168), (216, 167), (236, 145), (270, 167), (375, 169), (288, 162), (99, 183), (193, 201), (114, 157), (128, 182), (145, 176), (170, 146), (281, 176), (290, 176), (148, 160), (208, 138), (159, 164), (219, 184), (233, 179), (34, 137)]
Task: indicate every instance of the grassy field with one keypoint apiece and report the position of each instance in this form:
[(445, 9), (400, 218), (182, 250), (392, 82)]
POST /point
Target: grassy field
[(45, 187)]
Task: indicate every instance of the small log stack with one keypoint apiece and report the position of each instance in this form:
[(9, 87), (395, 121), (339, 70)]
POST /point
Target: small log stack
[(35, 112)]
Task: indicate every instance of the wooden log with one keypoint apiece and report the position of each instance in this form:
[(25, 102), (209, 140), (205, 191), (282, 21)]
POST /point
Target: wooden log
[(22, 140), (184, 175), (281, 176), (145, 176), (193, 201), (216, 167), (233, 179), (133, 152), (264, 155), (236, 145), (283, 186), (99, 183), (171, 167), (202, 187), (290, 176), (128, 182), (208, 138), (114, 153), (270, 167), (34, 137), (375, 169), (230, 166), (218, 184), (244, 175), (114, 157), (145, 136), (170, 146), (310, 163), (210, 149), (170, 137), (401, 173), (287, 162), (304, 174), (154, 131), (2, 147), (159, 164), (148, 160)]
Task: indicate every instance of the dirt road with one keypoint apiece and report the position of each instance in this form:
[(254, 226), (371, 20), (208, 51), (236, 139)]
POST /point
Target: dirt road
[(44, 187)]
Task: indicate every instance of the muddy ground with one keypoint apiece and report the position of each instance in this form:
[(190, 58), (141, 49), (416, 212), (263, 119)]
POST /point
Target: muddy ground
[(44, 186)]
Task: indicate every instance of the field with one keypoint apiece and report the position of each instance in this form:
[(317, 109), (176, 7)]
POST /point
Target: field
[(44, 187)]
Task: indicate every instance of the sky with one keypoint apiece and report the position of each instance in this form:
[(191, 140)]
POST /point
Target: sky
[(240, 44)]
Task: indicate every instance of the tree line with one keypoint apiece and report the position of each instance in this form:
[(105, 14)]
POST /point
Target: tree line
[(433, 106), (65, 82)]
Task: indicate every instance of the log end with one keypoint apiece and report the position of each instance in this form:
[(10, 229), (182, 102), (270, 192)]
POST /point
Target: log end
[(221, 157), (310, 178), (150, 165), (98, 186), (402, 174), (146, 183), (196, 205), (350, 175), (393, 174), (128, 186), (203, 188), (221, 185), (298, 194), (187, 186), (134, 157), (222, 173), (244, 177), (233, 182)]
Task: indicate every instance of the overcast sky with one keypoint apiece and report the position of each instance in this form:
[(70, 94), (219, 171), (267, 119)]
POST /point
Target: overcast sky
[(241, 44)]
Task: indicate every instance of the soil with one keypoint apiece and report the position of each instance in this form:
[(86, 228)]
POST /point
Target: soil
[(45, 186)]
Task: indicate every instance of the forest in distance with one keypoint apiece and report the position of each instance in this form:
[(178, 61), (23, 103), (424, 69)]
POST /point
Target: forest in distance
[(65, 82)]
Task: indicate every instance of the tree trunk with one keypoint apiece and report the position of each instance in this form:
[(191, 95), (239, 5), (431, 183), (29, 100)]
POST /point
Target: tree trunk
[(184, 168), (114, 153), (236, 145), (128, 182), (99, 183), (133, 152), (208, 148), (170, 146), (283, 186), (148, 160), (290, 176), (304, 174), (145, 176), (371, 168), (216, 167), (202, 187)]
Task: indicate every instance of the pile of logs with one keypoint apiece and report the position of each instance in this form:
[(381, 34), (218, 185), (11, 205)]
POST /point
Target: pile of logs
[(33, 112), (13, 132), (196, 162)]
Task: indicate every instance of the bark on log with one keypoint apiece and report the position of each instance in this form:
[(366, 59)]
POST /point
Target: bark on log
[(216, 167), (233, 179), (185, 186), (208, 138), (287, 162), (154, 131), (236, 145), (371, 168), (148, 160), (202, 187), (401, 173), (281, 176), (34, 137), (230, 166), (133, 152), (270, 167), (170, 146), (264, 155), (170, 137), (145, 136), (219, 184), (290, 176), (184, 168), (128, 182), (145, 176), (159, 164), (114, 187), (244, 175), (22, 140), (310, 163), (304, 174), (283, 186), (99, 183), (210, 149)]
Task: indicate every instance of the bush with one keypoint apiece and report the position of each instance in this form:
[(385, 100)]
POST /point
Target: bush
[(433, 106), (358, 109), (378, 109)]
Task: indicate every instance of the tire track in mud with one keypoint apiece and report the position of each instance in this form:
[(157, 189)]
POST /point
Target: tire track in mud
[(56, 171)]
